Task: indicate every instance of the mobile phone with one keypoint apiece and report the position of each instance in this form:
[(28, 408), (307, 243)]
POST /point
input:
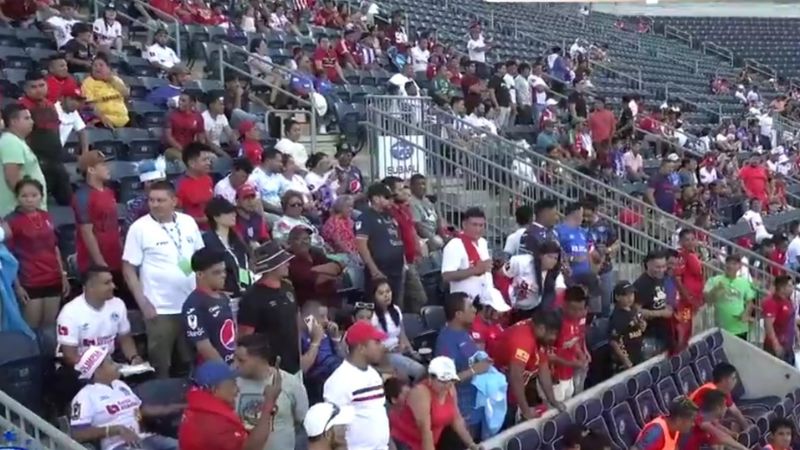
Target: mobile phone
[(309, 320)]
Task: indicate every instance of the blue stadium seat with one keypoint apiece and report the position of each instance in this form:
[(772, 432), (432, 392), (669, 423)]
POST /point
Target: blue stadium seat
[(646, 407), (617, 394), (433, 316), (686, 381), (703, 369), (598, 425), (412, 325), (139, 144), (21, 369), (555, 427), (666, 390), (587, 411), (699, 350), (718, 355), (527, 439), (623, 425)]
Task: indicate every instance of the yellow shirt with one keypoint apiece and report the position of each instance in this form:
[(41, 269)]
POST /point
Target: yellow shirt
[(107, 99)]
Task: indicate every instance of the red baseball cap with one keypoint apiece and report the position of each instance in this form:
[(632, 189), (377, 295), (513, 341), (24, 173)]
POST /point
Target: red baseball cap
[(362, 332), (245, 190), (246, 126)]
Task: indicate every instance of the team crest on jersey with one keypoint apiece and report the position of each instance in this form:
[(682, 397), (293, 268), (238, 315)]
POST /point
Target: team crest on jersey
[(191, 320), (290, 296), (358, 225), (214, 311), (75, 414)]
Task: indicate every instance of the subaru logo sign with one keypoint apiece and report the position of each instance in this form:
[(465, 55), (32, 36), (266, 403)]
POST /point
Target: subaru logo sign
[(401, 150)]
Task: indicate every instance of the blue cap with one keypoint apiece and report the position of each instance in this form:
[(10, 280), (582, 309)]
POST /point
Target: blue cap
[(212, 373)]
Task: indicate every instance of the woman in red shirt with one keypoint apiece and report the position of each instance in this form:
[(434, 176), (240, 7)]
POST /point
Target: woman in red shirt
[(431, 406), (41, 280)]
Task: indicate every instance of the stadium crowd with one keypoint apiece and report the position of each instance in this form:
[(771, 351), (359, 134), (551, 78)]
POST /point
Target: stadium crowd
[(291, 291)]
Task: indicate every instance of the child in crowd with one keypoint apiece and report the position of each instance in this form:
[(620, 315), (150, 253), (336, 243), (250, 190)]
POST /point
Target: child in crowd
[(570, 357), (626, 327)]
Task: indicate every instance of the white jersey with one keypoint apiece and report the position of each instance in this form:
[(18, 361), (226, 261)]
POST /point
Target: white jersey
[(62, 29), (100, 405), (162, 55), (107, 33), (524, 290), (363, 390), (454, 258), (80, 325)]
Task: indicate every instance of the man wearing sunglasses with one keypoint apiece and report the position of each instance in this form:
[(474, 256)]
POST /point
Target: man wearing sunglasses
[(326, 425)]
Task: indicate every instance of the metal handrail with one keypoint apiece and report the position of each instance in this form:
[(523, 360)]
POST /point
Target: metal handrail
[(763, 69), (32, 428), (685, 36), (150, 26), (224, 65), (719, 50), (670, 86), (568, 172), (637, 79), (177, 23), (695, 67)]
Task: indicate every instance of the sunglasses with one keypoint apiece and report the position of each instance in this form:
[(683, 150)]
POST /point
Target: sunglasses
[(364, 305)]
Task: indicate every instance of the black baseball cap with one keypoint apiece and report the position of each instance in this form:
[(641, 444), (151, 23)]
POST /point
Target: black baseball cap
[(623, 288), (379, 190)]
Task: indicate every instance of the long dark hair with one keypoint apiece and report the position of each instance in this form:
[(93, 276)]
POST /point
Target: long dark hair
[(380, 313)]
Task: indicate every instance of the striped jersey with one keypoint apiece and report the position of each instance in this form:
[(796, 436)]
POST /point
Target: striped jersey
[(363, 390)]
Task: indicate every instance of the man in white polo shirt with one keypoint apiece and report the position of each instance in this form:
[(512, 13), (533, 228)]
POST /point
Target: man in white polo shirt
[(156, 263), (466, 261), (357, 384)]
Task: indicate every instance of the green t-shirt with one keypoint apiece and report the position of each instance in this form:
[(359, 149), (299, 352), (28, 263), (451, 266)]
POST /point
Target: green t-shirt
[(14, 150), (730, 301)]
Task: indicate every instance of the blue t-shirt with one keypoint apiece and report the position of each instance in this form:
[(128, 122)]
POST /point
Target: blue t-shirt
[(327, 361), (211, 318), (301, 83), (664, 191), (161, 95), (602, 234), (575, 243), (459, 346)]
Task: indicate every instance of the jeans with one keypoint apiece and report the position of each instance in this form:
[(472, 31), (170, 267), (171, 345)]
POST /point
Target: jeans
[(607, 281), (406, 365), (154, 442)]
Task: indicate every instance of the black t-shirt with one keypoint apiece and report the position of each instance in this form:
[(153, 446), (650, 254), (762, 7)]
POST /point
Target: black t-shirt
[(78, 51), (535, 236), (273, 313), (579, 100), (209, 317), (650, 294), (44, 139), (625, 331), (383, 240), (501, 92)]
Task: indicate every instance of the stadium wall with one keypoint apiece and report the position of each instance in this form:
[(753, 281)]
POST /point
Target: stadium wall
[(730, 8)]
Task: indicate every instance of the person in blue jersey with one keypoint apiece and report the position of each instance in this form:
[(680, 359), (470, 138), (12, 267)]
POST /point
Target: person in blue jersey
[(579, 255)]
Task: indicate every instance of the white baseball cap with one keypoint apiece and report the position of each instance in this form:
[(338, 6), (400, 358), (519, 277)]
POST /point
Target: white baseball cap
[(324, 416), (443, 369), (90, 361), (673, 157), (494, 299), (551, 102)]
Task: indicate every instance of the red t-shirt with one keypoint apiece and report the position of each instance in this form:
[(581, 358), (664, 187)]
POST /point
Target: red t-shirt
[(252, 150), (34, 243), (570, 343), (98, 207), (405, 222), (782, 312), (185, 126), (343, 48), (166, 6), (755, 181), (56, 87), (486, 333), (777, 256), (328, 59), (690, 271), (193, 194), (602, 125), (304, 279), (697, 438), (19, 10), (518, 344), (699, 395), (252, 228)]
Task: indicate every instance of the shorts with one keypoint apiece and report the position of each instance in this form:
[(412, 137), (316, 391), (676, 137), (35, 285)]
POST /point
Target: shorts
[(54, 290), (564, 390)]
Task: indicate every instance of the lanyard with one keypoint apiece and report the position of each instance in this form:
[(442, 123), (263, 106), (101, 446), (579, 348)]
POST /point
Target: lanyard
[(229, 249), (178, 243)]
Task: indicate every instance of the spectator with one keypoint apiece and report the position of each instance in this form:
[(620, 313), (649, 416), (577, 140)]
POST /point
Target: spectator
[(94, 318), (269, 307), (209, 322), (602, 124), (466, 261), (160, 286), (150, 172), (420, 55), (477, 47), (107, 410), (98, 238), (298, 183), (357, 384), (689, 271), (522, 88), (271, 184), (278, 20), (755, 180), (80, 50), (379, 241), (487, 326), (237, 101), (430, 408), (626, 327), (326, 61), (290, 144), (575, 242), (185, 126), (752, 217), (535, 280), (68, 109), (570, 355), (543, 226), (604, 238), (402, 79), (708, 171), (241, 169), (660, 188), (44, 139), (707, 430), (18, 13), (389, 318), (293, 207), (319, 177), (634, 163), (196, 187), (651, 300), (107, 92), (250, 223), (733, 297), (216, 124), (41, 281), (663, 431), (259, 62), (58, 79), (250, 146), (326, 426), (781, 433), (793, 250), (257, 368), (724, 378), (210, 420), (524, 217), (108, 31), (313, 274), (222, 236), (427, 222), (519, 354), (351, 177), (168, 95), (16, 157), (160, 55), (779, 324), (338, 230), (320, 346), (577, 102)]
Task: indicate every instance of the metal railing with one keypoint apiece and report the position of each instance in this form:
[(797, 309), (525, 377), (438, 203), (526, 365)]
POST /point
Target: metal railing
[(671, 31), (716, 49), (763, 69), (674, 90), (31, 430), (225, 66), (618, 74), (97, 4)]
